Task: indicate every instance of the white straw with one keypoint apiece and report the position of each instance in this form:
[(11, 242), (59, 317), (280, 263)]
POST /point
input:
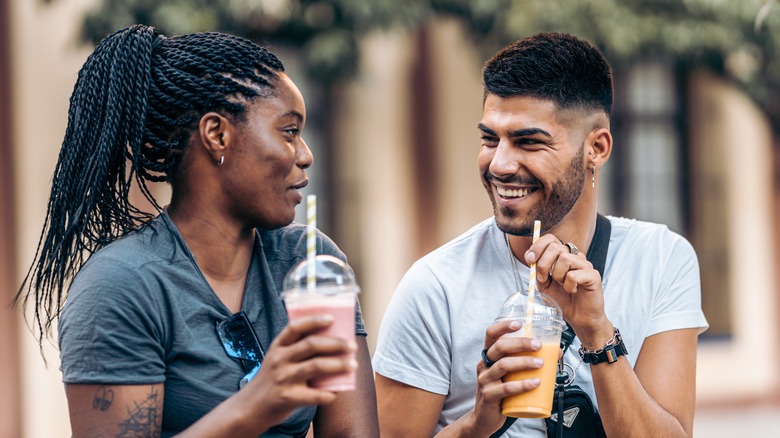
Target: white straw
[(532, 283)]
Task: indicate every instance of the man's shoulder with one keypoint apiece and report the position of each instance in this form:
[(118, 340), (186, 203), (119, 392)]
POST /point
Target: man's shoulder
[(636, 234), (638, 228), (476, 237)]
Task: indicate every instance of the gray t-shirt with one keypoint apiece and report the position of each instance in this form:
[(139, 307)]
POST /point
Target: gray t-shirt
[(141, 312)]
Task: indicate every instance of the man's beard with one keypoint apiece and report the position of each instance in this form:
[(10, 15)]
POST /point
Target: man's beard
[(562, 197)]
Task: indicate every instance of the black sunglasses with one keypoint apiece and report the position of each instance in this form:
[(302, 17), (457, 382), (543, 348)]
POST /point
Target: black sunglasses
[(240, 342)]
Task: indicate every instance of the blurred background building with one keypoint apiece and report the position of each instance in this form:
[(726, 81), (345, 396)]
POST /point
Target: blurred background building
[(394, 95)]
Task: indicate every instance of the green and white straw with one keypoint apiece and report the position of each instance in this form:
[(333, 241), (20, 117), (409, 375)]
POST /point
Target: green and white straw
[(311, 240)]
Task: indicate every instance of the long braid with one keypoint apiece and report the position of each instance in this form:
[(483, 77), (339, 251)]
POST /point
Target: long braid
[(136, 101)]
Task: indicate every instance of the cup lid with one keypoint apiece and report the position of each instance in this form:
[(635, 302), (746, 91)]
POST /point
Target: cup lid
[(542, 306), (331, 275)]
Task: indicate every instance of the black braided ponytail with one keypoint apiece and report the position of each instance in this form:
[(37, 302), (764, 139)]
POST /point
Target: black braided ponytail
[(136, 101)]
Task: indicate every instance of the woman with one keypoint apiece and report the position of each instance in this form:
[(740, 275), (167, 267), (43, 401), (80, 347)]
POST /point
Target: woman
[(151, 318)]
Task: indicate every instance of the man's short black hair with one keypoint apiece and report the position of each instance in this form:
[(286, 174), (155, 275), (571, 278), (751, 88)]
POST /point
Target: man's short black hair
[(554, 66)]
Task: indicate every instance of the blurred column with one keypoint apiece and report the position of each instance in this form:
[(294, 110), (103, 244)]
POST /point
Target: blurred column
[(10, 413), (456, 95), (732, 230), (373, 173), (46, 57)]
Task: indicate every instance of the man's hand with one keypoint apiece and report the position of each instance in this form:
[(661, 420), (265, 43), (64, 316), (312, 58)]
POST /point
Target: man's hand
[(501, 350), (574, 284)]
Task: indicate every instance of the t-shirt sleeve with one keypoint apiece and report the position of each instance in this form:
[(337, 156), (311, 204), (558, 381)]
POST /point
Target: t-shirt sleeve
[(678, 300), (109, 330), (414, 343), (327, 246)]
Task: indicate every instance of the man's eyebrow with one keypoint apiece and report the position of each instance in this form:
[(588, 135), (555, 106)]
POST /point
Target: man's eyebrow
[(485, 129), (518, 133), (528, 132)]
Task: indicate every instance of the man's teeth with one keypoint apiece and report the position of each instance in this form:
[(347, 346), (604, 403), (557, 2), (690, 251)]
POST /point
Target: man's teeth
[(512, 193)]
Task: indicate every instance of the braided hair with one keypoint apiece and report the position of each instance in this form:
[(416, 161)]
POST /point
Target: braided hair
[(137, 100)]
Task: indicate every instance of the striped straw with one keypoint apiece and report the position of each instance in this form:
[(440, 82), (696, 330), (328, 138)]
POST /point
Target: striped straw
[(311, 240), (532, 284)]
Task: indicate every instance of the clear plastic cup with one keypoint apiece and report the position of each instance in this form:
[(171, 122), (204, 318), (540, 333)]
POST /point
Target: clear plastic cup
[(544, 322), (334, 292)]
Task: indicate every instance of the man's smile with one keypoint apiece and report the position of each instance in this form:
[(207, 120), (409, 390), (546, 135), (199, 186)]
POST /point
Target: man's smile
[(514, 193)]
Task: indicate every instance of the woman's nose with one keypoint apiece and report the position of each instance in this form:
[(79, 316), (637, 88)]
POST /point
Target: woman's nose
[(304, 157)]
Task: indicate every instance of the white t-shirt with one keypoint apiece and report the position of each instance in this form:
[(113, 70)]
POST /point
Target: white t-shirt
[(433, 330)]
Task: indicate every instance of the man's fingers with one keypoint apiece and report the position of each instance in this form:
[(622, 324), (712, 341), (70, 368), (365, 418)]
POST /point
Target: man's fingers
[(499, 329), (502, 390), (505, 365)]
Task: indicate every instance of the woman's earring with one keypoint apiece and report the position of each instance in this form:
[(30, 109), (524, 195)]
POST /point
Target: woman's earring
[(221, 160), (593, 176)]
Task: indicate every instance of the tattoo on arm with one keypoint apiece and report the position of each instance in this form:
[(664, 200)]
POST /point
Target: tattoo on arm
[(144, 419), (103, 398)]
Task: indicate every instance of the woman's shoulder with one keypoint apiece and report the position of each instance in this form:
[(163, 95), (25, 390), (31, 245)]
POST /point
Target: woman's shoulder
[(289, 242), (152, 246)]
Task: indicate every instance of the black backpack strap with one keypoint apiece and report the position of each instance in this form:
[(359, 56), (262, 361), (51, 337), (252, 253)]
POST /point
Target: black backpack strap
[(597, 255)]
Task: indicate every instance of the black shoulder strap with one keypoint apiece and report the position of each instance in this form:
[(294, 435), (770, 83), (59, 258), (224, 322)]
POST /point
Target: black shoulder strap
[(597, 255)]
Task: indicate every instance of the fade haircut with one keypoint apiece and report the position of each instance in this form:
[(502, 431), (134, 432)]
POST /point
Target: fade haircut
[(553, 66), (137, 100)]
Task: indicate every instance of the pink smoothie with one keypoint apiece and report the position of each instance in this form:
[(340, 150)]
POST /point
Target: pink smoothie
[(343, 312)]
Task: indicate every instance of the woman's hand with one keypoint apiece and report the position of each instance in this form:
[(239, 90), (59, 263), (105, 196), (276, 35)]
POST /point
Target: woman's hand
[(294, 358)]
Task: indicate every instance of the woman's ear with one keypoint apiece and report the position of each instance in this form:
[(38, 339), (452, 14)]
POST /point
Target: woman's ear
[(215, 132)]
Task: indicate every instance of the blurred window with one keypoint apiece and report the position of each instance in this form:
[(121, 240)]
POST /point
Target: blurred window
[(649, 175)]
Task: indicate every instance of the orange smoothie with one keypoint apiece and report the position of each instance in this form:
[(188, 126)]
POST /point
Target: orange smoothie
[(537, 402)]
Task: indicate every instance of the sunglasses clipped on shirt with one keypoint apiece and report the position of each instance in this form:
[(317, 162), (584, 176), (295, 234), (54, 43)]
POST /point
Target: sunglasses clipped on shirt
[(240, 342)]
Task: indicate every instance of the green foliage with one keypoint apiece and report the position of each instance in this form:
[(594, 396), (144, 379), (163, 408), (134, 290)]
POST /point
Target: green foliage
[(739, 38)]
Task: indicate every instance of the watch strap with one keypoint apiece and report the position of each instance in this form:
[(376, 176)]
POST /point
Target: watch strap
[(609, 354)]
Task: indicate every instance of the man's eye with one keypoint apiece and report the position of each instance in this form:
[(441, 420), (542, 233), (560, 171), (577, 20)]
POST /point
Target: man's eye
[(292, 132), (489, 140)]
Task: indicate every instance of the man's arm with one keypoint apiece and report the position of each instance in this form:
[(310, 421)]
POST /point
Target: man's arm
[(353, 413), (406, 411), (657, 397), (660, 390)]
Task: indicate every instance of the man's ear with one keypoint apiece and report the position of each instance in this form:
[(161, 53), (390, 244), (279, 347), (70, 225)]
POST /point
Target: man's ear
[(599, 146), (215, 132)]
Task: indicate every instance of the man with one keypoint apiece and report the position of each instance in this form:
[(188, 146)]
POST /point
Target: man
[(545, 134)]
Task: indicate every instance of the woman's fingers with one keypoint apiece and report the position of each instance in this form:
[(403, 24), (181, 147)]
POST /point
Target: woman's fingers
[(316, 345), (300, 327)]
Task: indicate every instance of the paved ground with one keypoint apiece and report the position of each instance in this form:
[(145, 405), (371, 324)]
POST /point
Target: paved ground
[(753, 421)]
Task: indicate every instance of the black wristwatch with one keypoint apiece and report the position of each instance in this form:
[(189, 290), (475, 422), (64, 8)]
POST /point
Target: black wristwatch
[(609, 354)]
